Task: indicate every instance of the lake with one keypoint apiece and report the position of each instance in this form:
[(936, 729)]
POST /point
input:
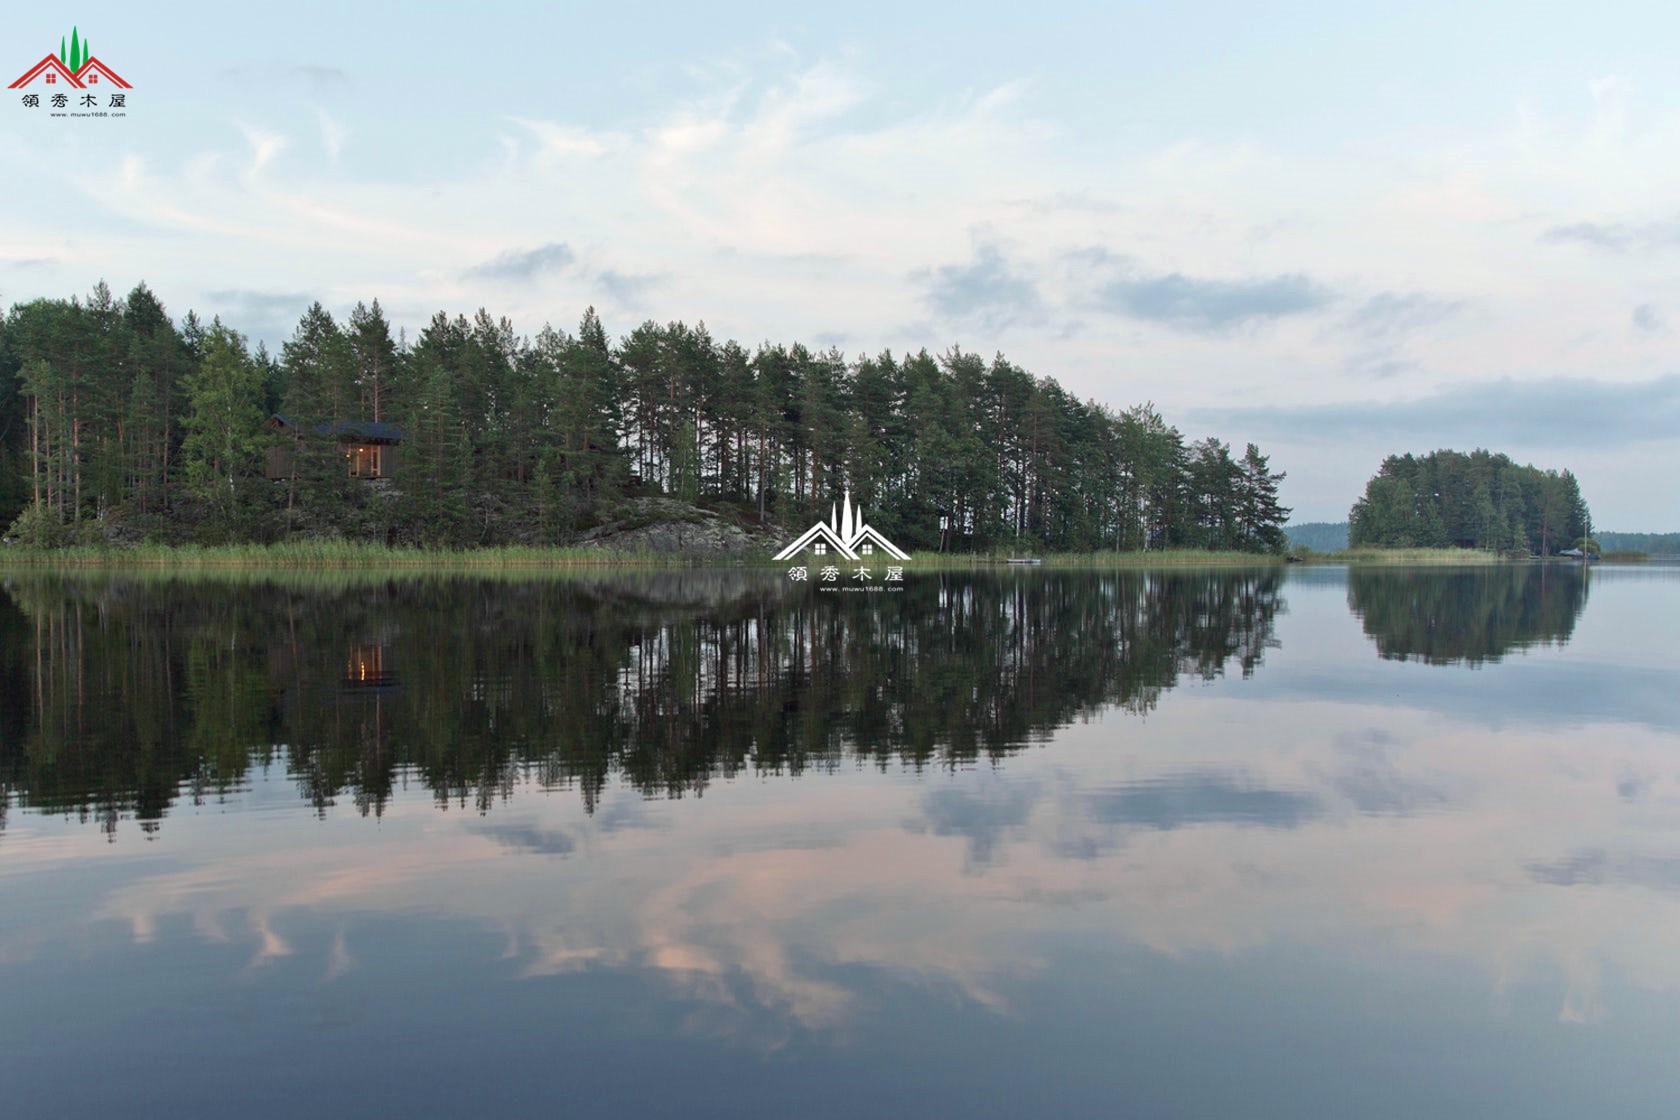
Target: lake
[(1269, 842)]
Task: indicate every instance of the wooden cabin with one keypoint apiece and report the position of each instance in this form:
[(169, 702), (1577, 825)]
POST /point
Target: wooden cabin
[(369, 447)]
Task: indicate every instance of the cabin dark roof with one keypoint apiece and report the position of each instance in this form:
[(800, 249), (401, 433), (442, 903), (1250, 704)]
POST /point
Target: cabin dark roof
[(362, 431), (358, 431)]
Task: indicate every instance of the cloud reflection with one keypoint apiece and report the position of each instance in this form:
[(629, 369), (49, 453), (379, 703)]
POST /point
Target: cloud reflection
[(1181, 800), (773, 910)]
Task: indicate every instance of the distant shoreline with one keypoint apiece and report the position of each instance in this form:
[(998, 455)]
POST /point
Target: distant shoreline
[(1448, 556), (340, 555), (1329, 537), (329, 555)]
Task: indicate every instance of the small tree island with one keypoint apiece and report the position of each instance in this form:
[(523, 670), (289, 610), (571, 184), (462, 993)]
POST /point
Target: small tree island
[(1482, 500)]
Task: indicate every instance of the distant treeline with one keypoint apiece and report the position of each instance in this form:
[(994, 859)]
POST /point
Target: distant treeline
[(117, 424), (1332, 536), (1657, 544), (1480, 500), (1320, 536)]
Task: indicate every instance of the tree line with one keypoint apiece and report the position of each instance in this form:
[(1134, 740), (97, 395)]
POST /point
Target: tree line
[(1481, 500), (1657, 544), (1318, 536), (118, 424)]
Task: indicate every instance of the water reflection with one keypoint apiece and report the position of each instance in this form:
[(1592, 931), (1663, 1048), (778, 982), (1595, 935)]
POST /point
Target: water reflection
[(1261, 899), (1181, 800), (128, 694), (1469, 615), (367, 670)]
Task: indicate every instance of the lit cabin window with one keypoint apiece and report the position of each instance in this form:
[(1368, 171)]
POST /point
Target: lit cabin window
[(365, 462), (867, 549), (819, 548)]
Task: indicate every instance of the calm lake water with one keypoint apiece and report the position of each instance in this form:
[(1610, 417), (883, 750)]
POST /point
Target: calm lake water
[(1242, 843)]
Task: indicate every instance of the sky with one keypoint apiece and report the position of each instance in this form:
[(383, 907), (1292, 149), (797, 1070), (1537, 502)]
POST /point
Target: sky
[(1339, 234)]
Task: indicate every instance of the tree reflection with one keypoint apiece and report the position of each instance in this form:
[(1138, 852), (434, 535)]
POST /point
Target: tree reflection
[(121, 696), (1470, 615)]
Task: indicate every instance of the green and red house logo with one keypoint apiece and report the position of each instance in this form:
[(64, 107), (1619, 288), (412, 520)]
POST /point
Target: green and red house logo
[(75, 66)]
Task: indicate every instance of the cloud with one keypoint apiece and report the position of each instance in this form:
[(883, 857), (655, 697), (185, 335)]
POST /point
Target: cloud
[(1572, 697), (1619, 237), (1648, 320), (1067, 202), (564, 142), (1389, 315), (1633, 787), (1206, 305), (988, 289), (1381, 324), (525, 264), (1189, 799), (333, 134), (624, 814), (1379, 362), (983, 821), (1375, 788), (257, 313), (1561, 412), (319, 78), (264, 145), (1595, 867), (529, 838), (627, 288), (805, 107)]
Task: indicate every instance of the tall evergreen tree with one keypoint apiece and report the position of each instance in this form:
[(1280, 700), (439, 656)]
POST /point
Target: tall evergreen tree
[(374, 355), (158, 362), (224, 439), (1263, 517)]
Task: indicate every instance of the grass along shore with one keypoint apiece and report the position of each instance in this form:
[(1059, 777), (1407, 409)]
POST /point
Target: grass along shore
[(1451, 556), (1411, 556), (326, 555), (311, 555), (1153, 558), (330, 555)]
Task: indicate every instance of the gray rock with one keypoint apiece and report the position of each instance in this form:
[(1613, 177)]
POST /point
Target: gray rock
[(670, 527)]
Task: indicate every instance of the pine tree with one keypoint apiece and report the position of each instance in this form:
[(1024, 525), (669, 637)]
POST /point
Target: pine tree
[(317, 388), (158, 361), (377, 369), (224, 427), (436, 466), (1264, 517)]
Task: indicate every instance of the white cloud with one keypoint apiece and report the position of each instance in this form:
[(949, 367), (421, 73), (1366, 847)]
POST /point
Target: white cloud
[(333, 135), (264, 145)]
